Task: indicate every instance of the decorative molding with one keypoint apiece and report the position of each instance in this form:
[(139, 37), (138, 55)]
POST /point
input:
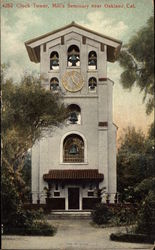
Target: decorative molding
[(62, 40), (85, 145), (102, 79), (103, 124), (44, 47), (84, 39), (102, 47), (80, 96)]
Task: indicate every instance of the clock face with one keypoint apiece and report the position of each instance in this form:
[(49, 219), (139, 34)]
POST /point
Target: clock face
[(72, 81)]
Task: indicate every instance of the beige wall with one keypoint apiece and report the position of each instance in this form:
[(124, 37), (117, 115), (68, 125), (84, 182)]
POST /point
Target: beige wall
[(100, 146)]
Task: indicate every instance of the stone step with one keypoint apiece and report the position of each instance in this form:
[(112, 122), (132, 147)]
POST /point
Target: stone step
[(69, 215)]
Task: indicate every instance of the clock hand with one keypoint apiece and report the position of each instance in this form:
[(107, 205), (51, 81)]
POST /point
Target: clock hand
[(77, 84)]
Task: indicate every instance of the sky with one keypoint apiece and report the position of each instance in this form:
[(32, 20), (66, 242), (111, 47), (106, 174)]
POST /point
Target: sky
[(120, 19)]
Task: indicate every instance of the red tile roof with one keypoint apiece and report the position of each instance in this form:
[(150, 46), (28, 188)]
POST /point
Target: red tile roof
[(69, 174)]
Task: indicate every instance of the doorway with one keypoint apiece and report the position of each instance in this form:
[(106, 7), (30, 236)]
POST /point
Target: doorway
[(73, 198)]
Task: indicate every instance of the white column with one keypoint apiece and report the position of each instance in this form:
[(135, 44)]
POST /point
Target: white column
[(80, 198), (66, 198)]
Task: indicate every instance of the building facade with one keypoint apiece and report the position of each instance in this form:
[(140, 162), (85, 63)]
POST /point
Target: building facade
[(71, 165)]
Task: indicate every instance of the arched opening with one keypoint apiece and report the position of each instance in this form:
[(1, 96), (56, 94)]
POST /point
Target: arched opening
[(54, 60), (73, 149), (73, 56), (54, 84), (92, 84), (92, 60), (74, 114)]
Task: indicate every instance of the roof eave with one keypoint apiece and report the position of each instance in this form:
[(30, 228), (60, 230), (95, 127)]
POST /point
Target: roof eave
[(68, 26), (111, 57)]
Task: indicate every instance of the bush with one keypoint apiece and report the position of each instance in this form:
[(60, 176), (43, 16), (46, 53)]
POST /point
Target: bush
[(26, 223), (134, 238), (123, 216), (146, 216), (114, 215), (37, 228), (102, 214)]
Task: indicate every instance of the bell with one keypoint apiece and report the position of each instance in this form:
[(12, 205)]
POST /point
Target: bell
[(92, 62), (92, 84), (92, 59), (73, 150), (73, 59), (54, 61), (54, 86), (73, 118)]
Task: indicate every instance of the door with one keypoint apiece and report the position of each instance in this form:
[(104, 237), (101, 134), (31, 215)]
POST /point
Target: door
[(73, 198)]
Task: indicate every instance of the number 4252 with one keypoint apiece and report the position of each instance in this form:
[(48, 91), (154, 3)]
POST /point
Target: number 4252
[(7, 5)]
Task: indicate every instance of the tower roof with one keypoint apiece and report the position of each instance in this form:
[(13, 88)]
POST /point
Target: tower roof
[(33, 45)]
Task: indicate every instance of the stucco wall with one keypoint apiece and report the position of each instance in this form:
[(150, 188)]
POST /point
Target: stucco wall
[(100, 146)]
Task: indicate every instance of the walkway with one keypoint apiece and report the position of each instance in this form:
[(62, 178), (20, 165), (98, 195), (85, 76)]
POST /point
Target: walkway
[(72, 235)]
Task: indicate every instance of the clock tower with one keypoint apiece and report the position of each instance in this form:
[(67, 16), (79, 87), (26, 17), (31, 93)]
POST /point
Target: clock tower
[(76, 161)]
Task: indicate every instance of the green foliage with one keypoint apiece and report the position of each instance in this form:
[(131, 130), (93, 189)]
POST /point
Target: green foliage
[(137, 60), (123, 216), (117, 215), (40, 228), (145, 219), (27, 111), (101, 214), (26, 175), (29, 223), (135, 162), (9, 196), (134, 238), (136, 182), (143, 188)]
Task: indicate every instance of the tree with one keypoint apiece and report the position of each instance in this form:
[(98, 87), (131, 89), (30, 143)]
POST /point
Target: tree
[(28, 111), (137, 60), (135, 163)]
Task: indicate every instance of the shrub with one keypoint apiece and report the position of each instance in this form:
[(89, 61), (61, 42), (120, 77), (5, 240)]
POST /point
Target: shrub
[(145, 220), (101, 214), (114, 215), (134, 238), (36, 228), (123, 216), (41, 228), (28, 223)]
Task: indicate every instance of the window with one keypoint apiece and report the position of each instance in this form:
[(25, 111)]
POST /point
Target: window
[(73, 56), (74, 114), (73, 149), (54, 84), (92, 60), (92, 84), (56, 186), (56, 193), (90, 193), (54, 60)]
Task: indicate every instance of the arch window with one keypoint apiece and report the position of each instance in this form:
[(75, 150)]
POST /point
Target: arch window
[(73, 56), (54, 84), (54, 60), (92, 60), (92, 84), (74, 114), (73, 149)]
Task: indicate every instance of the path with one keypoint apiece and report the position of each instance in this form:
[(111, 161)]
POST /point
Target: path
[(72, 235)]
